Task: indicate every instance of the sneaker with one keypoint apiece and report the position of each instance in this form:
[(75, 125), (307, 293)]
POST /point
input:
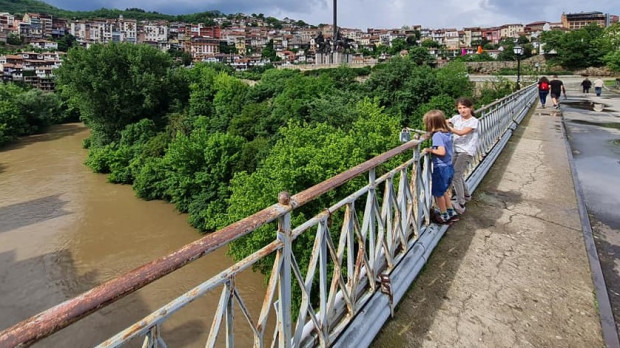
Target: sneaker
[(467, 198), (543, 106), (444, 219), (458, 208), (452, 215)]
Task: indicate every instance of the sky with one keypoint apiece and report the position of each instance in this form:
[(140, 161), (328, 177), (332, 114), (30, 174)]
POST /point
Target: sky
[(363, 14)]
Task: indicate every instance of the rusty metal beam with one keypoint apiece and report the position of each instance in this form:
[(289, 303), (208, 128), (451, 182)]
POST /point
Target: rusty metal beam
[(62, 315)]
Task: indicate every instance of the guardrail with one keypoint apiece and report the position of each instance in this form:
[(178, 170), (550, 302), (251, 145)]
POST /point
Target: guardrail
[(357, 272)]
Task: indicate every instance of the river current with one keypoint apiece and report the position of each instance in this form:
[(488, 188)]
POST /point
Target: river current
[(64, 230)]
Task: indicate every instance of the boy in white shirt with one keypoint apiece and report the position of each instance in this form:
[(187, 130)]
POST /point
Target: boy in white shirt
[(464, 128)]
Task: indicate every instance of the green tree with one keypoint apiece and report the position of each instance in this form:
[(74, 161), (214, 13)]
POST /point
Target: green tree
[(14, 39), (578, 48), (199, 167), (269, 52), (180, 56), (421, 56), (397, 45), (66, 42), (428, 43), (228, 101), (115, 85), (306, 155), (611, 40)]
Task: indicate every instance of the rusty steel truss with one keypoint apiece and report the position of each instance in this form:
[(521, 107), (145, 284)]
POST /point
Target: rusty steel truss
[(363, 265)]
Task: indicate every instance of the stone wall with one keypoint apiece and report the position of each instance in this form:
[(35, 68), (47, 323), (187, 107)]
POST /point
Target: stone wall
[(495, 66)]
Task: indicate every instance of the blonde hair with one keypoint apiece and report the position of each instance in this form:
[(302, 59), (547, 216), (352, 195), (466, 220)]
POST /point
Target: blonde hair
[(435, 121)]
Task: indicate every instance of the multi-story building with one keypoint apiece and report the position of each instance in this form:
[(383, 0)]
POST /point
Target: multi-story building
[(471, 36), (511, 31), (201, 48), (35, 69), (7, 22), (156, 32), (44, 44), (574, 21), (493, 35), (451, 38)]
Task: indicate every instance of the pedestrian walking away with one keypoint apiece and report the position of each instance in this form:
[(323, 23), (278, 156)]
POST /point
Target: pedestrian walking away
[(598, 86), (443, 171), (586, 84), (464, 127), (543, 90), (557, 88)]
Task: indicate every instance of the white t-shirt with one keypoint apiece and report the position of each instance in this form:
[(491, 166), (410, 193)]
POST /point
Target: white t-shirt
[(468, 142), (598, 83)]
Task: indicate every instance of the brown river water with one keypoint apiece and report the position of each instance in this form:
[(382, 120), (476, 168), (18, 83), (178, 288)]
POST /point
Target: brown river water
[(64, 229)]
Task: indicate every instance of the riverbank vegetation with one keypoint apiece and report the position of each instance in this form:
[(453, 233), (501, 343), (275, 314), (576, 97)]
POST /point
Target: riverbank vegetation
[(221, 149), (26, 111)]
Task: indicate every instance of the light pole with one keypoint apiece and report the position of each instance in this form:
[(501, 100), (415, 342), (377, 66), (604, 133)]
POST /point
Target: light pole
[(518, 50)]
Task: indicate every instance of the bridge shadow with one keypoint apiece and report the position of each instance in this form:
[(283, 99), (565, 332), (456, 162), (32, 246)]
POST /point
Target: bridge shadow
[(31, 212), (417, 311), (54, 132), (33, 285)]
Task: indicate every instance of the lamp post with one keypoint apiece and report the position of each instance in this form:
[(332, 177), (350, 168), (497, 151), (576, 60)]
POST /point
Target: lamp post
[(518, 50)]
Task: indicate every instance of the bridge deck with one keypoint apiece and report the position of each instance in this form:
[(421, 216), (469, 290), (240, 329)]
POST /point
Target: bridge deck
[(514, 271)]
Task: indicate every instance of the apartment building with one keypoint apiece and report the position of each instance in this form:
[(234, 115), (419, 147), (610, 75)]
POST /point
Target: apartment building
[(7, 22), (574, 21), (451, 38), (201, 48), (35, 69), (511, 30)]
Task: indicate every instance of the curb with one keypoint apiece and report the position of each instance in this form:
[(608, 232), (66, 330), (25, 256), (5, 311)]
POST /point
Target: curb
[(608, 325)]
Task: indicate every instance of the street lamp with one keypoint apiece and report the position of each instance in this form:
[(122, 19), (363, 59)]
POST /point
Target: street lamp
[(518, 50)]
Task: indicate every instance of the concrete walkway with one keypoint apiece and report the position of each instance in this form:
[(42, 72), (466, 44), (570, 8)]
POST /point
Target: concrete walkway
[(514, 271)]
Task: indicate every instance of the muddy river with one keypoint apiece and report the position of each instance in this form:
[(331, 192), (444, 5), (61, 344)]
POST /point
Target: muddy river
[(64, 229)]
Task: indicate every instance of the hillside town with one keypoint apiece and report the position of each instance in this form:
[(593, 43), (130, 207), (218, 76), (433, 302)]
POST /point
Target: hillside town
[(241, 40)]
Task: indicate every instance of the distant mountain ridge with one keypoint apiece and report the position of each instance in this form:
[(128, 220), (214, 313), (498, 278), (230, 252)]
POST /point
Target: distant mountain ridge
[(35, 6)]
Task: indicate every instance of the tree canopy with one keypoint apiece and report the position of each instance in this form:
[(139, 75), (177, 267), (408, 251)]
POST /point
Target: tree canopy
[(579, 48), (115, 85)]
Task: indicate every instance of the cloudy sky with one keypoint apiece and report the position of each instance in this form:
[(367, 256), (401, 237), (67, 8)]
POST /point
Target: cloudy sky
[(364, 14)]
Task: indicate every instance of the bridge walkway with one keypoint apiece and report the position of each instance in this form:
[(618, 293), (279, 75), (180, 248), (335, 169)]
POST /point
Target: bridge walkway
[(514, 271)]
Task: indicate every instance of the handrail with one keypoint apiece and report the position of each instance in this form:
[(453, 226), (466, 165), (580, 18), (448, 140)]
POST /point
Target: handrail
[(385, 237), (64, 314)]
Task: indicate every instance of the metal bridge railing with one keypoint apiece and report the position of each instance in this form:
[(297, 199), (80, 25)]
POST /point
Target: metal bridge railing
[(363, 266)]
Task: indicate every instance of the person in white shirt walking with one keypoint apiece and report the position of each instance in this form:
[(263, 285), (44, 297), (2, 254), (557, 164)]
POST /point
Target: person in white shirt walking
[(464, 128), (598, 86)]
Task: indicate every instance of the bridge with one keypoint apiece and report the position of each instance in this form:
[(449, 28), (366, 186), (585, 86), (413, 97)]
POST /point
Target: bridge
[(363, 265)]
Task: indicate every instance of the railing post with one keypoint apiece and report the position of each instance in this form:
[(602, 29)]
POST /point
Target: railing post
[(371, 218), (230, 337), (284, 288)]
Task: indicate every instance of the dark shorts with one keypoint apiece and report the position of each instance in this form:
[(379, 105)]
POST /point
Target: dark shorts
[(556, 95), (442, 179)]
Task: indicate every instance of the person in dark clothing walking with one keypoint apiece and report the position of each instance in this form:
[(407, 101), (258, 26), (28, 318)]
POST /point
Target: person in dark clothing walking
[(557, 88), (586, 84), (543, 90)]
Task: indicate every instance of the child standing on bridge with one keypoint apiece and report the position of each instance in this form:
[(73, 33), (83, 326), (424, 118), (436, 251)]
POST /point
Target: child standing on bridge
[(464, 127), (443, 171)]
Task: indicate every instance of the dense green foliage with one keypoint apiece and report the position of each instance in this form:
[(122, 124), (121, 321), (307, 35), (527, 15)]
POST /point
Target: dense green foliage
[(221, 149), (25, 111), (611, 40), (116, 85), (585, 47)]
